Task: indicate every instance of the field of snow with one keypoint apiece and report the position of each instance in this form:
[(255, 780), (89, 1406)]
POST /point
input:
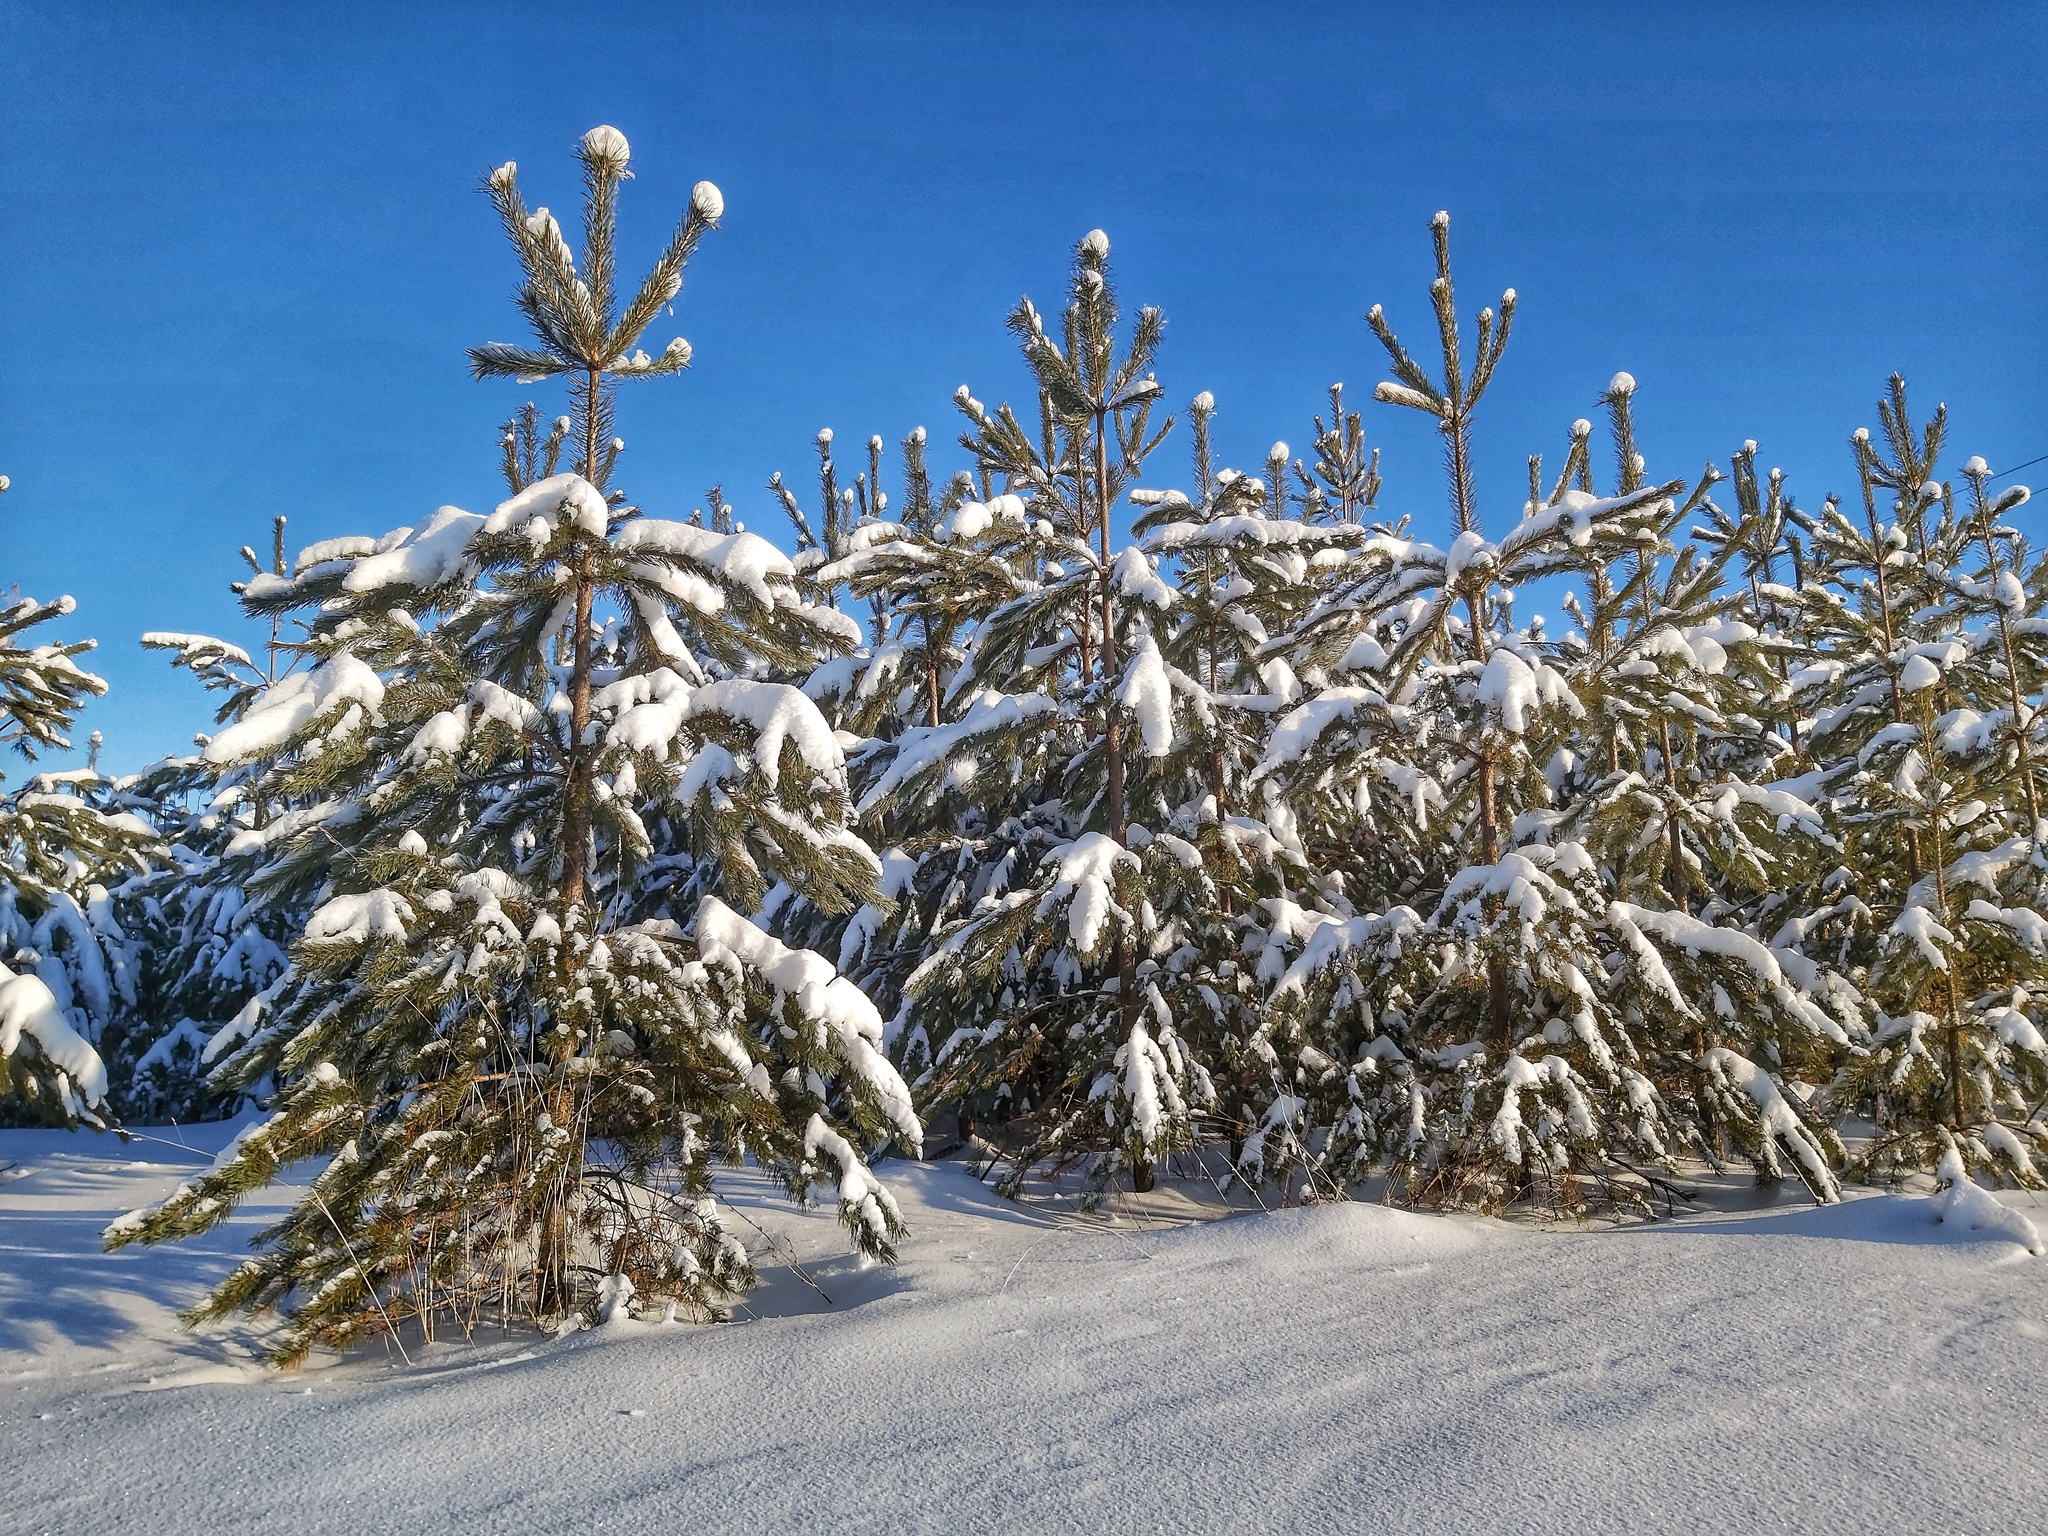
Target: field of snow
[(1343, 1367)]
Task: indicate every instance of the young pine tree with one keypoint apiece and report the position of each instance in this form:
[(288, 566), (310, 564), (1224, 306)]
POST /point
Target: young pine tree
[(518, 1064), (1929, 659), (65, 963)]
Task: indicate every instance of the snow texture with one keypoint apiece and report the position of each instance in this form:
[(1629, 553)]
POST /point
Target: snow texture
[(1062, 1374), (1085, 881)]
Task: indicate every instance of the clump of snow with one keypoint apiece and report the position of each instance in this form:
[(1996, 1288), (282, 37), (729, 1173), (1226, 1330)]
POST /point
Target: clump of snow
[(29, 1010), (1959, 1199), (564, 500), (359, 919), (923, 748), (607, 145), (1086, 883), (821, 995), (653, 707), (1148, 694), (341, 682), (1780, 1122)]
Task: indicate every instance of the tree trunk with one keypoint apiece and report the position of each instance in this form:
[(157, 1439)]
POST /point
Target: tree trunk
[(576, 810)]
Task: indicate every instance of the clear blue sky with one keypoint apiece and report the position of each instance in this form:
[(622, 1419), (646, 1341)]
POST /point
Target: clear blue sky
[(241, 249)]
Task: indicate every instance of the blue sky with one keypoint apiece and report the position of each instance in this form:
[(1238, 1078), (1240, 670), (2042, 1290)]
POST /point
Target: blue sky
[(242, 251)]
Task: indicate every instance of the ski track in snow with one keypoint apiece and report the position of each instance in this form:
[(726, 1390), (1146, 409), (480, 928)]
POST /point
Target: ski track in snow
[(1344, 1367)]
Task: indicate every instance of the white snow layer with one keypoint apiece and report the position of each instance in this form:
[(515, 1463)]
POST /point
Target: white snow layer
[(821, 995), (653, 707), (29, 1009), (1085, 881), (1335, 1368), (341, 682), (1148, 694)]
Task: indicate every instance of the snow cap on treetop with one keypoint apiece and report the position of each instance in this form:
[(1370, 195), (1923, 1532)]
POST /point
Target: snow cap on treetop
[(1442, 219), (1976, 468), (875, 442), (1096, 244), (1205, 401), (605, 145), (917, 436), (1278, 451), (1582, 428), (707, 202), (1623, 384), (502, 176), (824, 435)]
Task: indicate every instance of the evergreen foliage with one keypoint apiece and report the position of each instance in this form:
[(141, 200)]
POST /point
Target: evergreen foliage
[(1394, 882), (519, 1062), (1233, 821), (64, 839)]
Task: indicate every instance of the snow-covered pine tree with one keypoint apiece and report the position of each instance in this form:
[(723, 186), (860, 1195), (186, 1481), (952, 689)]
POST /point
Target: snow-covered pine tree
[(1245, 557), (1527, 1034), (1929, 657), (518, 1074), (1041, 1002), (933, 575), (1686, 806), (210, 934), (65, 964)]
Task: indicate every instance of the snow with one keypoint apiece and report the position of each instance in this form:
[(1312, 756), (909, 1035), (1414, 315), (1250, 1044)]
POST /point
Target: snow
[(558, 501), (745, 559), (1515, 689), (378, 914), (654, 706), (1300, 728), (971, 519), (1085, 880), (1148, 1086), (1339, 1367), (295, 702), (28, 1008), (1920, 926), (1132, 576), (606, 143), (1967, 1204), (1918, 674), (1780, 1121), (426, 556), (924, 747), (821, 995), (1148, 694)]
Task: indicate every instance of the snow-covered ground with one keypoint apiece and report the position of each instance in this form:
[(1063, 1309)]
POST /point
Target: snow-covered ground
[(1342, 1367)]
